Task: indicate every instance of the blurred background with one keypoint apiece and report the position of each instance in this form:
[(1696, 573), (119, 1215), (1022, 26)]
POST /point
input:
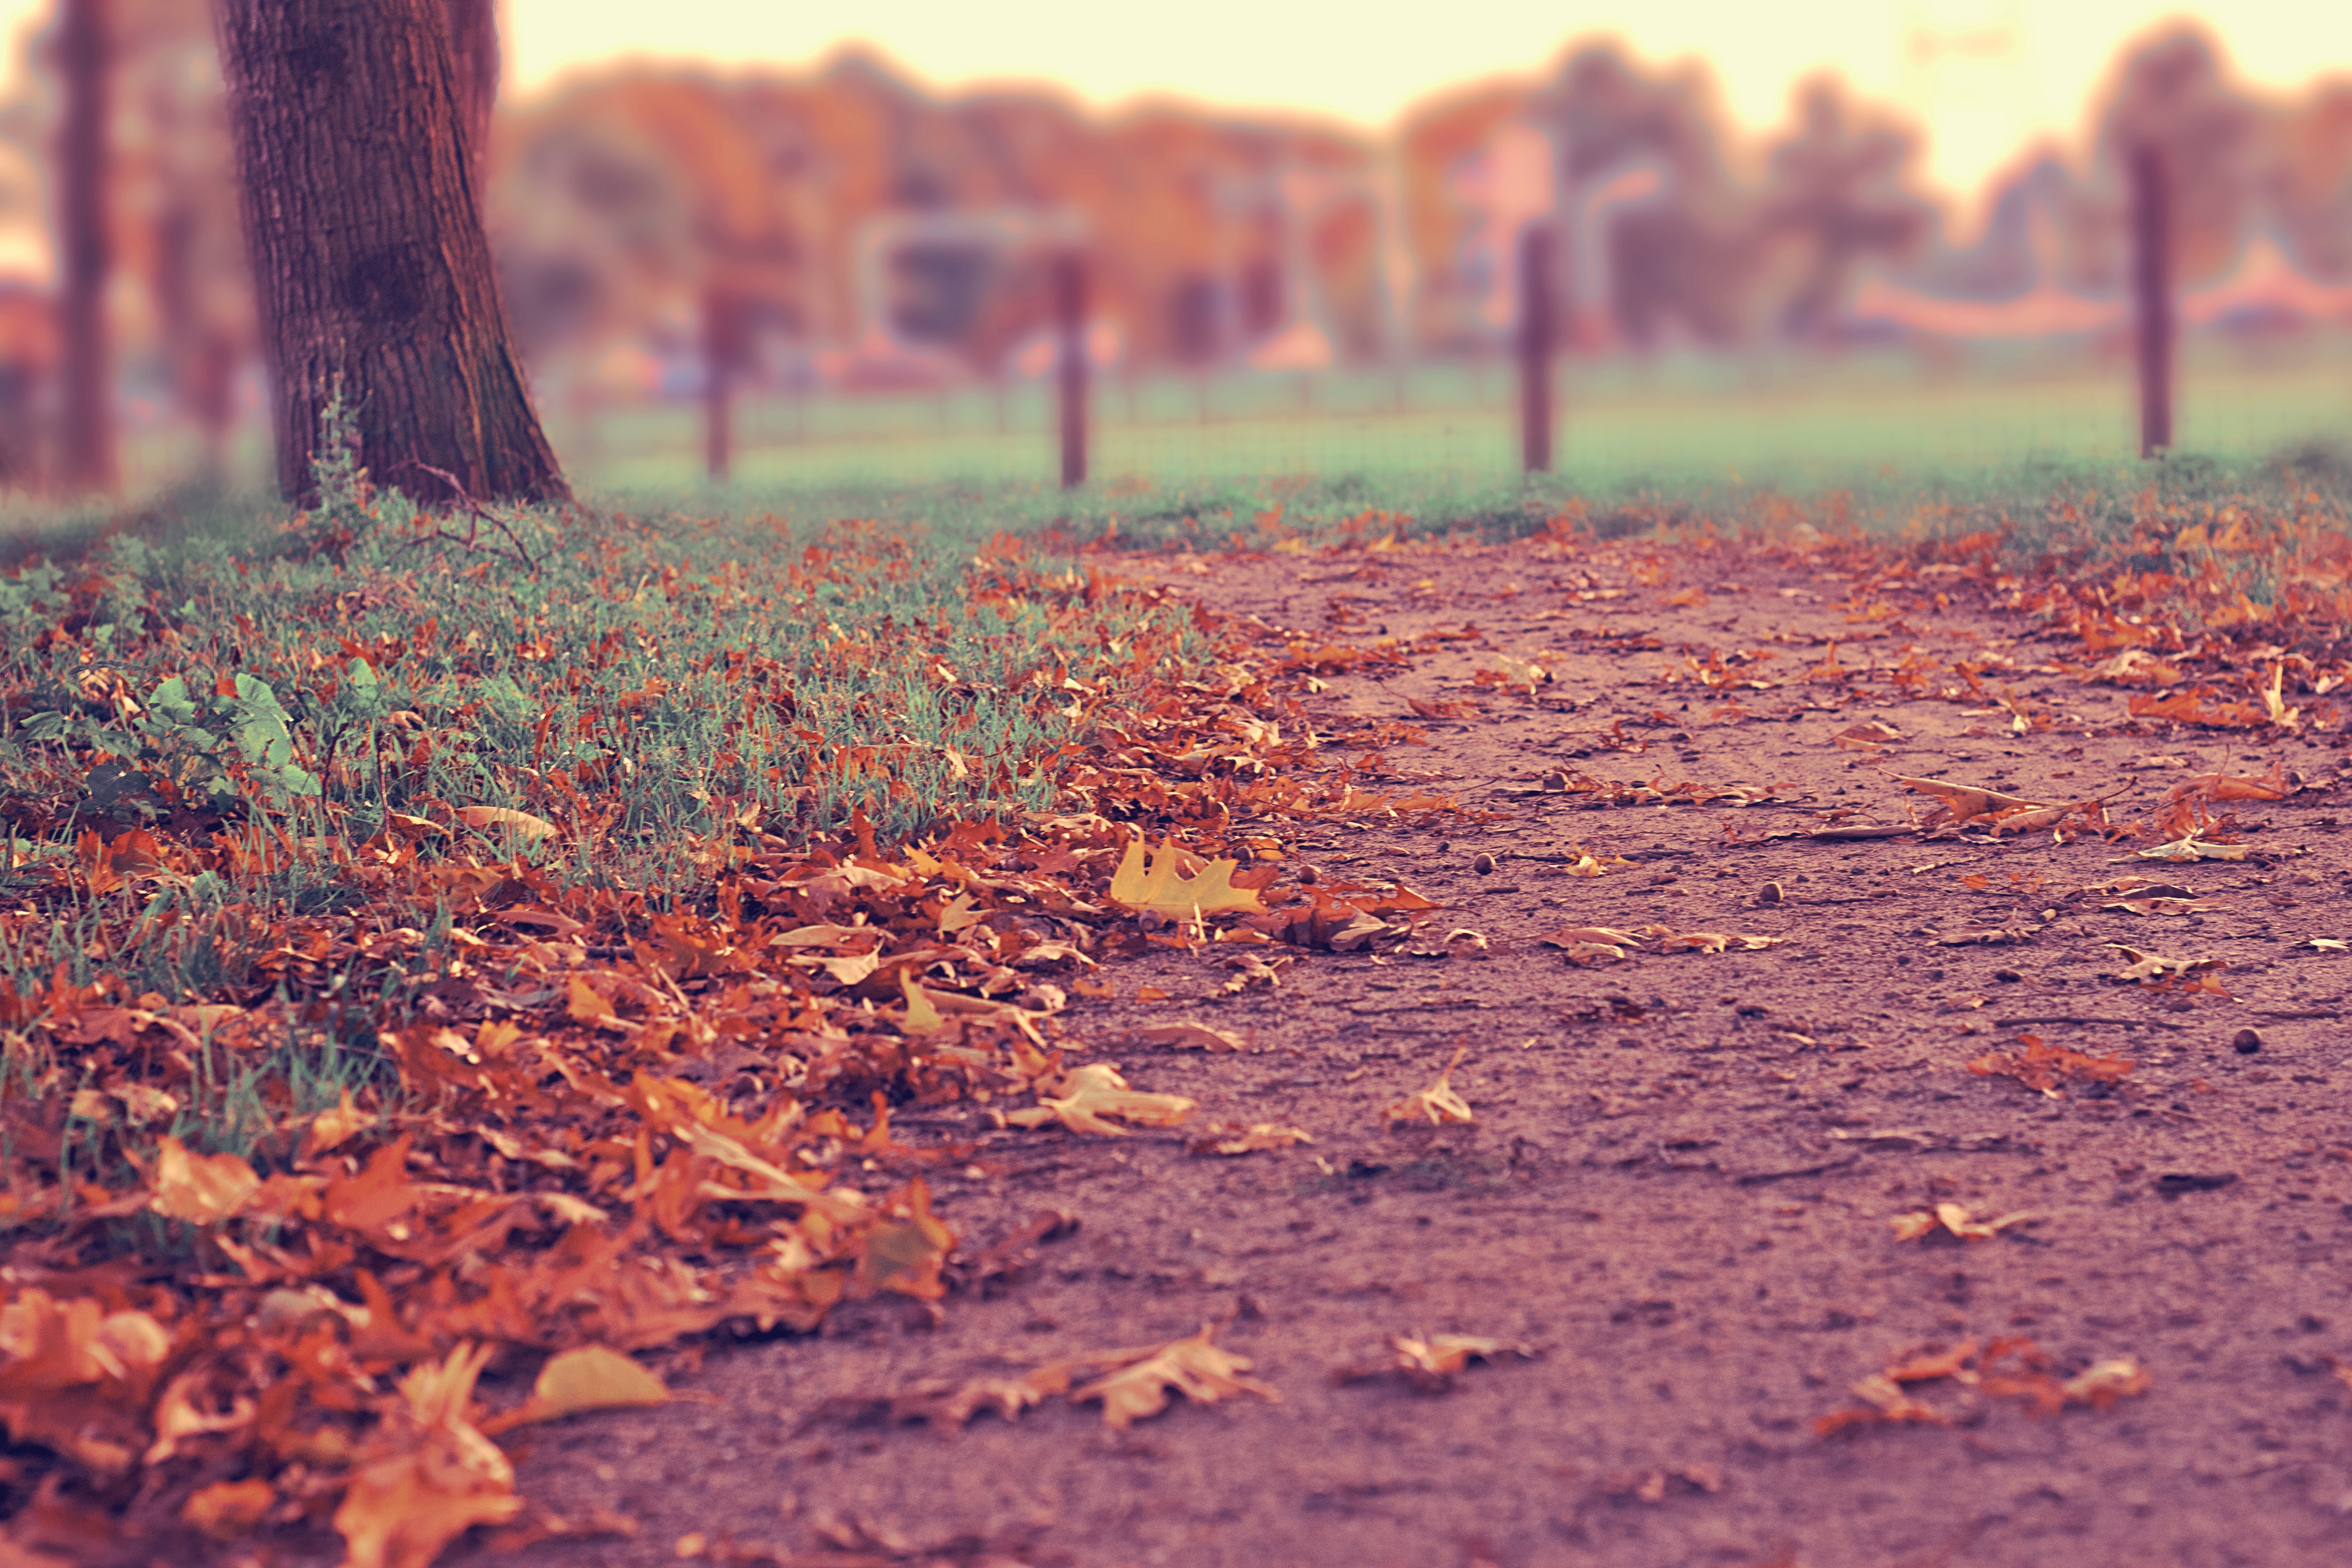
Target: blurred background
[(1791, 240)]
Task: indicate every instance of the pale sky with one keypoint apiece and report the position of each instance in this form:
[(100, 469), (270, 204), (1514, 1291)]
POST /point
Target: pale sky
[(1363, 62)]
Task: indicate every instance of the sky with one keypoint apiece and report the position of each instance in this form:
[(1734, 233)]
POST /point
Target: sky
[(1364, 62)]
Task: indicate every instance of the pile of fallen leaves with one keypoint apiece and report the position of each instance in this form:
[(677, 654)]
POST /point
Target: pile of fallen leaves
[(478, 1112)]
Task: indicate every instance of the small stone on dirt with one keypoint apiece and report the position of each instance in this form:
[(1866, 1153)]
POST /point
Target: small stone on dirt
[(2246, 1042)]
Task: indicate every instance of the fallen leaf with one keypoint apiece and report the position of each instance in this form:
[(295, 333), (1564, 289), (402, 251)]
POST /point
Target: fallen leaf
[(1190, 1366), (227, 1508), (2104, 1381), (521, 824), (589, 1378), (1431, 1362), (202, 1189), (1707, 940), (1184, 1035), (1873, 737), (1088, 1094), (430, 1475), (1256, 1138), (1437, 1105), (2156, 966), (1954, 1220), (2041, 1067), (334, 1126), (1160, 889), (2195, 849), (1967, 803)]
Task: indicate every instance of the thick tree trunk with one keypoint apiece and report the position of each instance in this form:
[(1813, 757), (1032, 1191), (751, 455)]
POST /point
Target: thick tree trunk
[(86, 417), (474, 51), (363, 221)]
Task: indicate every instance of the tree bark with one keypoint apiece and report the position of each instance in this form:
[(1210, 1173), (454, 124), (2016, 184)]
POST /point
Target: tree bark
[(86, 459), (474, 51), (363, 216)]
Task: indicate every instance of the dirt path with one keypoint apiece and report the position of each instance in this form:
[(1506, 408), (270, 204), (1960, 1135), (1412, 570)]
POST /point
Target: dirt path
[(1678, 1184)]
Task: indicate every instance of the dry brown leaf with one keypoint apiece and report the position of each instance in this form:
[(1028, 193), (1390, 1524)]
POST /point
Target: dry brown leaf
[(2195, 849), (1429, 1362), (334, 1126), (1706, 940), (1256, 1138), (430, 1475), (2156, 966), (1088, 1094), (1184, 1035), (521, 824), (226, 1509), (1190, 1366), (1954, 1220), (2044, 1066), (1967, 803), (1437, 1105)]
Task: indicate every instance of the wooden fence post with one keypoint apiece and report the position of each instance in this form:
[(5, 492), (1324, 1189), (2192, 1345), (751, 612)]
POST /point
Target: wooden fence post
[(1535, 348), (721, 352), (2151, 220), (1070, 325), (86, 457)]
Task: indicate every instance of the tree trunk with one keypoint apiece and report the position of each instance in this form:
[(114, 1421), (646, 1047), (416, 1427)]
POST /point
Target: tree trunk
[(86, 461), (474, 51), (363, 218)]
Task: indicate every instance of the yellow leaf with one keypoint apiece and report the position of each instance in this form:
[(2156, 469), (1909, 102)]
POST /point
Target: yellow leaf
[(521, 824), (1088, 1094), (1159, 888), (923, 1017), (202, 1188), (1191, 1366), (333, 1127), (590, 1378), (585, 1005)]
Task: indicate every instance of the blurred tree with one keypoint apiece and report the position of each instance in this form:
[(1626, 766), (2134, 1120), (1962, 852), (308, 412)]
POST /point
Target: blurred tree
[(85, 47), (2170, 96), (1836, 189), (370, 261)]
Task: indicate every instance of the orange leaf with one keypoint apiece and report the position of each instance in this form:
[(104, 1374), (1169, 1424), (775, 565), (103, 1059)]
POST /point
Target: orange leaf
[(203, 1189)]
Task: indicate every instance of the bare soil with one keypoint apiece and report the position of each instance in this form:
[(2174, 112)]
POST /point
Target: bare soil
[(1678, 1184)]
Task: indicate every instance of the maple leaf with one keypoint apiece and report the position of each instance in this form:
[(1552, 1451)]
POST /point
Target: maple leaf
[(590, 1378), (1437, 1105), (1190, 1366), (1160, 889), (430, 1475), (202, 1189), (1087, 1094)]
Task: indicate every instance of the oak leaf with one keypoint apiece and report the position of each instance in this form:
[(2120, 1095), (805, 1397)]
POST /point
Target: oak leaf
[(1190, 1366), (1160, 889)]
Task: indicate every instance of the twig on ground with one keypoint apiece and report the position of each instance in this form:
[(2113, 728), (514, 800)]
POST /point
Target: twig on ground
[(515, 550)]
